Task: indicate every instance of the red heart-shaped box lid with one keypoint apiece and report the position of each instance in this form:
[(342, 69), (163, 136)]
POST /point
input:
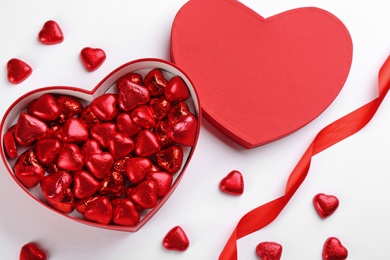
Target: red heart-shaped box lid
[(261, 79)]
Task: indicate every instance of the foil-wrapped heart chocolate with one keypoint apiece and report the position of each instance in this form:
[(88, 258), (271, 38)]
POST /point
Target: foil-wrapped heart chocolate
[(110, 162)]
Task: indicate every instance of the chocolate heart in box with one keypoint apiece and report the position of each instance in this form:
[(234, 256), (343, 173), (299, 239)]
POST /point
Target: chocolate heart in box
[(107, 85)]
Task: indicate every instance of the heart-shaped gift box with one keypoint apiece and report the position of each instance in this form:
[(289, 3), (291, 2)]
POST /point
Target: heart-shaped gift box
[(107, 85), (261, 79)]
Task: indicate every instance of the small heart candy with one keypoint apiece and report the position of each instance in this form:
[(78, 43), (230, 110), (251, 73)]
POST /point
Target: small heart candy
[(129, 77), (28, 170), (67, 204), (99, 164), (334, 250), (31, 251), (82, 204), (92, 58), (29, 129), (120, 145), (176, 239), (105, 106), (178, 111), (147, 143), (10, 145), (176, 90), (125, 213), (50, 33), (136, 168), (70, 158), (143, 116), (90, 147), (102, 132), (233, 183), (45, 108), (17, 71), (47, 150), (70, 107), (55, 185), (74, 131), (269, 251), (84, 184), (89, 118), (99, 210), (131, 94), (325, 205), (170, 159), (119, 165), (112, 185), (155, 82), (126, 125), (145, 194), (160, 107), (183, 131), (160, 130)]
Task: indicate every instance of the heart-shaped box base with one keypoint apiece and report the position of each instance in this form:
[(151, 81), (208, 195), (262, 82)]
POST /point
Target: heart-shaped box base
[(107, 85)]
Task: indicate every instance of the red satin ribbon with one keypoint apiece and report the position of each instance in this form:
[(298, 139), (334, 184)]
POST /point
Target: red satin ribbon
[(328, 136)]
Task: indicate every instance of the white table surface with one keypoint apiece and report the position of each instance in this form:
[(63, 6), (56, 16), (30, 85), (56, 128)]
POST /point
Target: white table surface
[(357, 170)]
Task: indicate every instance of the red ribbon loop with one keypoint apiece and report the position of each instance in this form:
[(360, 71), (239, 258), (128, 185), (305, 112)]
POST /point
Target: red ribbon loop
[(335, 132)]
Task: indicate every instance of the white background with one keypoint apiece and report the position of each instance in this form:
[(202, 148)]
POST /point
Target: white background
[(357, 170)]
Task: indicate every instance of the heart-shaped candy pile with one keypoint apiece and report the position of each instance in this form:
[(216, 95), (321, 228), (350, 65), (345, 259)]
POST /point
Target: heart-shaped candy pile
[(176, 240), (233, 183), (112, 156)]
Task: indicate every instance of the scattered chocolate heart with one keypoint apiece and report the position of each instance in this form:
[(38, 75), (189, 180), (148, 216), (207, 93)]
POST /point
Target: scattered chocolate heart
[(325, 205), (176, 239), (233, 183), (334, 250), (50, 33), (17, 71), (269, 250), (92, 58), (31, 251), (105, 159)]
